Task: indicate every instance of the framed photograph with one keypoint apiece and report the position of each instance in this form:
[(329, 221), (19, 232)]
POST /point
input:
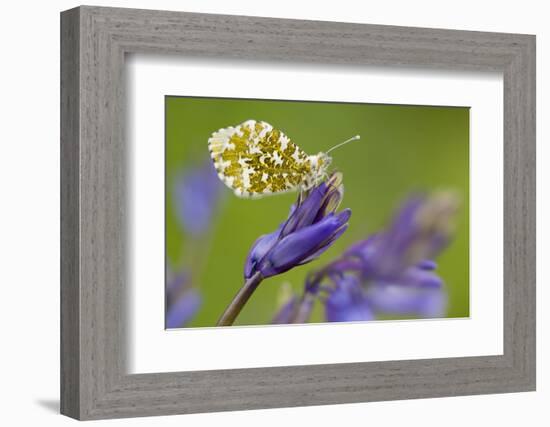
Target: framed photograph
[(262, 213), (210, 232)]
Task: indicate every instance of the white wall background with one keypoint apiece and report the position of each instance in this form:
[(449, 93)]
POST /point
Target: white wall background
[(29, 212)]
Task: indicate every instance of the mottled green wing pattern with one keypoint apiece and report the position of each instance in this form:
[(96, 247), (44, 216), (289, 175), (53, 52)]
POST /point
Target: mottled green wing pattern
[(255, 159)]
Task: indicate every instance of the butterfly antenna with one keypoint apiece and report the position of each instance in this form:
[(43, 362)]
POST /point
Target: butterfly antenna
[(355, 138)]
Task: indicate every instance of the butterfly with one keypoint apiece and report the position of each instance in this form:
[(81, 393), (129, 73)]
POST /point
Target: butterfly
[(255, 159)]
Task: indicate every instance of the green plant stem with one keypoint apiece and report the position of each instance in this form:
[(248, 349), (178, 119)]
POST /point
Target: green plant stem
[(239, 301)]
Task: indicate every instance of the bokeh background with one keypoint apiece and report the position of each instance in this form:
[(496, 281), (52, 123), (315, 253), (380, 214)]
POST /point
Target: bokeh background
[(403, 149)]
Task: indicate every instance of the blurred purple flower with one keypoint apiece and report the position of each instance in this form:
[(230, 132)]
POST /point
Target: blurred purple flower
[(420, 231), (311, 228), (182, 301), (347, 301), (286, 311), (392, 272), (175, 282), (183, 309), (403, 298), (295, 309), (196, 194), (416, 291)]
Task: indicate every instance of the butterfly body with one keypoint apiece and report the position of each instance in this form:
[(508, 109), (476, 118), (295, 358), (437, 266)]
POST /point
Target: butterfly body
[(254, 159)]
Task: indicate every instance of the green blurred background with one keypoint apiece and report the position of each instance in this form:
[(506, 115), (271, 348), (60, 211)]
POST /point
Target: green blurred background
[(403, 148)]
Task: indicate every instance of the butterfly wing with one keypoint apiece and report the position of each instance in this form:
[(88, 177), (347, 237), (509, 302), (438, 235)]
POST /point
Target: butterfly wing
[(255, 159)]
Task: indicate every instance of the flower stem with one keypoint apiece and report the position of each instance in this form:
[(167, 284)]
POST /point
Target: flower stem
[(244, 294)]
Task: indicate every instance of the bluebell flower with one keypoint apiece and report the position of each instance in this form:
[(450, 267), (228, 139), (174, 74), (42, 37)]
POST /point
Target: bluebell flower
[(184, 309), (182, 300), (392, 272), (416, 292), (287, 311), (196, 195), (175, 282), (347, 301), (295, 309), (421, 230), (311, 228), (197, 192)]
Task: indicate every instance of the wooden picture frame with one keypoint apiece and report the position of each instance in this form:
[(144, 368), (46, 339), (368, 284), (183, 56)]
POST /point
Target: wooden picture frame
[(94, 382)]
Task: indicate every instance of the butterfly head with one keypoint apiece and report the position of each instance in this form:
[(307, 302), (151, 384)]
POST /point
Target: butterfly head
[(321, 162), (319, 168)]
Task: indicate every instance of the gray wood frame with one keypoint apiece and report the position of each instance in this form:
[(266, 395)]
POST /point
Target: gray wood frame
[(94, 41)]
